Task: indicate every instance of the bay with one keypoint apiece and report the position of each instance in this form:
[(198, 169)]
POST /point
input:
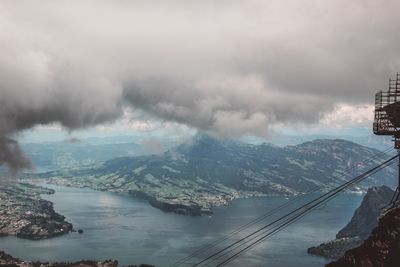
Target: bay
[(118, 226)]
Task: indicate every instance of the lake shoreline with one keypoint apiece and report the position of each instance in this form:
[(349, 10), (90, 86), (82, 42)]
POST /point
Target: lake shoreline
[(128, 229), (25, 214)]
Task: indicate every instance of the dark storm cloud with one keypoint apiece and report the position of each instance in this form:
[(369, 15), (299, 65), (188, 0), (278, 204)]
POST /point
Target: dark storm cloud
[(11, 153), (228, 67)]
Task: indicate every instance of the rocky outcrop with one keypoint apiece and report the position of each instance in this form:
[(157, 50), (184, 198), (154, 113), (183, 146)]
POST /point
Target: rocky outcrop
[(365, 219), (382, 248), (366, 216)]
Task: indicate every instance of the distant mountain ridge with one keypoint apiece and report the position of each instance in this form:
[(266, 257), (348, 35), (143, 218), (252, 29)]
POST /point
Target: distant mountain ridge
[(74, 152), (371, 140), (57, 155), (206, 172)]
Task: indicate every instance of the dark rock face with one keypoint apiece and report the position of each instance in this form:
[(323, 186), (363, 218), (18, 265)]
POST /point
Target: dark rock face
[(382, 248), (366, 216), (365, 219)]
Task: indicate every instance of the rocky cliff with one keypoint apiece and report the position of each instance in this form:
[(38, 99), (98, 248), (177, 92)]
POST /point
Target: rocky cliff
[(382, 248), (365, 219)]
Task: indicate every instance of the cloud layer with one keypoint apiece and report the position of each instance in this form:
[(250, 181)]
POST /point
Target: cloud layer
[(228, 67)]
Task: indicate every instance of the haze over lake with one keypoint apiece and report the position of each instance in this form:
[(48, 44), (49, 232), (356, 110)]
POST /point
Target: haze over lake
[(131, 231)]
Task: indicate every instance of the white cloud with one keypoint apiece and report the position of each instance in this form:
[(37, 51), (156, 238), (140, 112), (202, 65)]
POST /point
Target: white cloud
[(349, 116)]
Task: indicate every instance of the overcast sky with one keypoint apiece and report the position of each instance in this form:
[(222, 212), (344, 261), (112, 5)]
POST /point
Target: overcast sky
[(225, 66)]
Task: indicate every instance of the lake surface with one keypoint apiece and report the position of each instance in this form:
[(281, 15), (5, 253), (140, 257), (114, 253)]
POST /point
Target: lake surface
[(130, 230)]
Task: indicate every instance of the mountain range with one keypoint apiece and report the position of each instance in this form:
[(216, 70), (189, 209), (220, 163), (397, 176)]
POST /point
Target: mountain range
[(206, 172)]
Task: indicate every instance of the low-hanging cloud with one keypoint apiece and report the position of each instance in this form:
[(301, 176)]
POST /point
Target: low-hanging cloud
[(11, 153), (228, 67)]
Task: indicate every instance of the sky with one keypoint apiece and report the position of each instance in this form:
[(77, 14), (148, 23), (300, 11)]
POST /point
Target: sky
[(229, 68)]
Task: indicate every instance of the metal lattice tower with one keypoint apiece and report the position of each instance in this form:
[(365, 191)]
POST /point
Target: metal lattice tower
[(387, 117), (387, 111)]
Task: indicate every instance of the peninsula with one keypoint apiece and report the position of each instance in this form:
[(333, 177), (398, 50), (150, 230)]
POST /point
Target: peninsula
[(23, 213)]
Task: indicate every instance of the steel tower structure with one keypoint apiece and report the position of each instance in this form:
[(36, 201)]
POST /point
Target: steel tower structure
[(387, 117)]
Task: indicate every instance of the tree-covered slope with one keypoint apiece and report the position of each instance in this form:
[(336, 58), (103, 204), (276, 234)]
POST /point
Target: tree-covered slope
[(207, 171)]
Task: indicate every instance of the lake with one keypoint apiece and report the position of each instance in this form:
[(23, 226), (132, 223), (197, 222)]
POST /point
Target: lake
[(120, 227)]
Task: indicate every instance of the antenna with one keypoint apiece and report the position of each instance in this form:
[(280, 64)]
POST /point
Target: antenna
[(387, 118)]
